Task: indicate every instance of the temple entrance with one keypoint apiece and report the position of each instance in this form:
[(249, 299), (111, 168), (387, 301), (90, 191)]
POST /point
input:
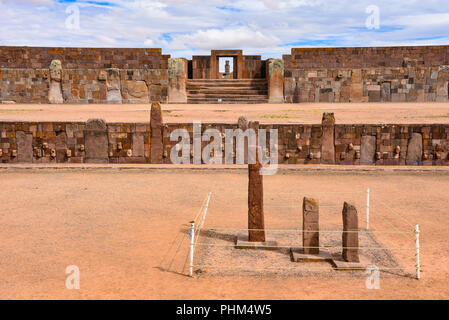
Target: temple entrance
[(226, 67), (227, 76)]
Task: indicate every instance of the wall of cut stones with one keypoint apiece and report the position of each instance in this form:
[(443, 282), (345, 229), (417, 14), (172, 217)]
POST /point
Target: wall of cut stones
[(70, 142), (389, 74), (85, 76)]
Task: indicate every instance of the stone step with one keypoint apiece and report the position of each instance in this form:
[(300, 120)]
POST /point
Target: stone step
[(228, 96), (233, 101), (227, 91), (227, 86)]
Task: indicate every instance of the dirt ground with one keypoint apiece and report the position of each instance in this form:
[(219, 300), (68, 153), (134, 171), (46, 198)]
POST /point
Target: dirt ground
[(228, 113), (126, 231)]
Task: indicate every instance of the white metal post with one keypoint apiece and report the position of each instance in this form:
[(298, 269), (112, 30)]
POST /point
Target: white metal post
[(192, 245), (367, 209), (418, 264), (205, 209)]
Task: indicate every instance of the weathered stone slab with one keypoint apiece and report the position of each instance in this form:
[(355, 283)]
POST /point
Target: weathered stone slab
[(242, 242), (256, 224), (96, 141), (415, 150), (156, 147), (24, 147), (177, 87), (136, 91), (114, 94), (275, 76), (55, 90), (328, 141), (298, 255), (138, 144), (350, 233), (310, 226), (368, 150)]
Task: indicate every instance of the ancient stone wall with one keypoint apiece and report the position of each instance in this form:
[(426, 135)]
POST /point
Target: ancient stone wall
[(413, 84), (65, 142), (82, 58), (83, 75), (366, 57), (85, 85)]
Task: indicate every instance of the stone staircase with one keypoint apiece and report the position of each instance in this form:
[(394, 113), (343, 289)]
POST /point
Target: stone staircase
[(227, 91)]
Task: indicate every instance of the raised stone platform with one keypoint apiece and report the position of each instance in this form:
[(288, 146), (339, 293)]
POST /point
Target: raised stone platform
[(335, 260), (242, 242)]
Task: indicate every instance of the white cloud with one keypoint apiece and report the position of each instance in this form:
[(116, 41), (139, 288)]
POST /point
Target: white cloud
[(186, 27), (242, 37)]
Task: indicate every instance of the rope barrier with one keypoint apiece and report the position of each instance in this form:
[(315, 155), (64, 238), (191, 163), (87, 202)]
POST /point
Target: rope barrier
[(302, 247), (297, 268), (301, 231)]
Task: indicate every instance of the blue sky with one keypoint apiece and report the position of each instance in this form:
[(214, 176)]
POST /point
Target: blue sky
[(184, 28)]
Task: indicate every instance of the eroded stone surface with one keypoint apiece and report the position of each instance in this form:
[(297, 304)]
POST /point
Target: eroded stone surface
[(157, 148), (177, 72), (310, 226), (24, 147), (415, 149), (114, 94), (96, 141), (367, 150), (328, 144), (275, 80), (350, 233), (256, 224), (55, 90)]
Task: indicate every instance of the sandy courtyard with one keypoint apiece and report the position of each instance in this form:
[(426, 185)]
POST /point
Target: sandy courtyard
[(126, 231), (310, 113)]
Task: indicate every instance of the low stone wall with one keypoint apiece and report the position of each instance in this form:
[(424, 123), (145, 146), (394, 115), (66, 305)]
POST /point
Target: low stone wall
[(96, 141)]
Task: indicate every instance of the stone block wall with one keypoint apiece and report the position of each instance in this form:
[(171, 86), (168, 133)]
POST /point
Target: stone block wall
[(82, 58), (84, 85), (393, 144), (413, 84), (366, 57), (88, 75)]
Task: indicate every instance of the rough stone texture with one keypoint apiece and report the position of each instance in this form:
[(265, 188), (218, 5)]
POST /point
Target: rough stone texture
[(302, 143), (328, 140), (157, 147), (310, 226), (275, 77), (24, 147), (350, 239), (177, 72), (368, 150), (138, 144), (96, 141), (256, 224), (242, 124), (135, 91), (55, 92), (82, 58), (415, 149), (113, 86)]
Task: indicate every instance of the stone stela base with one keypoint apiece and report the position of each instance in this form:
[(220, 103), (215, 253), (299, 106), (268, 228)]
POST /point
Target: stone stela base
[(241, 242), (335, 260)]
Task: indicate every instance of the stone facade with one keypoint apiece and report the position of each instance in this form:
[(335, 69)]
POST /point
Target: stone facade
[(374, 74), (298, 144)]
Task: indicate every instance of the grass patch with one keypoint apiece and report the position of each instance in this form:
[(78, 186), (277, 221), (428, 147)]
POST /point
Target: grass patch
[(278, 116), (19, 110)]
